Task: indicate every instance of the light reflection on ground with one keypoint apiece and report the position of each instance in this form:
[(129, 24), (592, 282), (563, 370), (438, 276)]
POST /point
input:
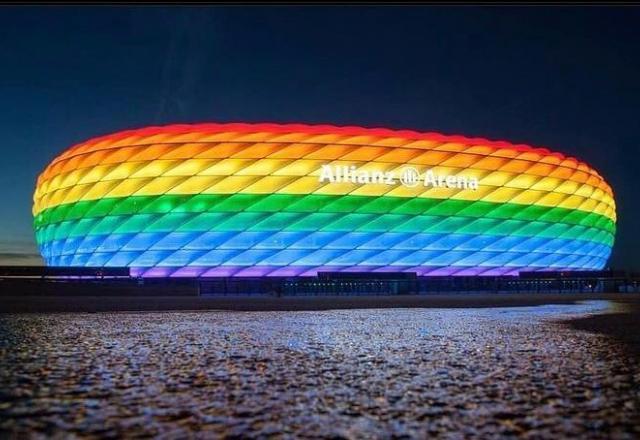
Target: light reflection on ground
[(350, 373)]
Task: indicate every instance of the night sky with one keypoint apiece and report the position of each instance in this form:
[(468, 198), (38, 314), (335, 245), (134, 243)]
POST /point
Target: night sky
[(565, 78)]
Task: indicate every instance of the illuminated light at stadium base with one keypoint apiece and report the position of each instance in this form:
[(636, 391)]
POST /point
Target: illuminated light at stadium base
[(293, 200)]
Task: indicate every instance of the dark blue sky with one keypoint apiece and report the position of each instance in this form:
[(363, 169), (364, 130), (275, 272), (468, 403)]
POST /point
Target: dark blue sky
[(566, 78)]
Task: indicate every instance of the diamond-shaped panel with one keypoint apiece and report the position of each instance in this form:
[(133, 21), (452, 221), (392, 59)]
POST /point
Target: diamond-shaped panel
[(247, 199)]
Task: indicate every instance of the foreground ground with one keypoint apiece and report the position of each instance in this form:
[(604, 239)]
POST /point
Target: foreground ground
[(493, 372), (89, 303)]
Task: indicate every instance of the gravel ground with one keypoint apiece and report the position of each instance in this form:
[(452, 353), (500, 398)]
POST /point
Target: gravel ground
[(381, 373)]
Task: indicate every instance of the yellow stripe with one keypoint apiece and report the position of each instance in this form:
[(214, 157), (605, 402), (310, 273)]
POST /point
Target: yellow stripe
[(301, 176)]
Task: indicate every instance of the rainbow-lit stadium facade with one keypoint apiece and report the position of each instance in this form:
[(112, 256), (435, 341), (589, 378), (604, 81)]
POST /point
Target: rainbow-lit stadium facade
[(295, 200)]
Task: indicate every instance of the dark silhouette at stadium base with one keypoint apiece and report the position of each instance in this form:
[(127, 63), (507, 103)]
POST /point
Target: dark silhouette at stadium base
[(115, 281)]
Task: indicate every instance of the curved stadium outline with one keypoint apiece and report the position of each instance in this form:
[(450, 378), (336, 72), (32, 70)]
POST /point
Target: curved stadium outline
[(249, 200)]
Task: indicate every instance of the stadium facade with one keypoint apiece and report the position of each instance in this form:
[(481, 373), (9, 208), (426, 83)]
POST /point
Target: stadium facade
[(212, 200)]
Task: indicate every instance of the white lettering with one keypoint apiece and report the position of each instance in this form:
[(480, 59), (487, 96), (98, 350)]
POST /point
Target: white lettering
[(389, 179), (451, 181), (377, 177), (326, 173), (363, 177), (351, 174), (430, 179)]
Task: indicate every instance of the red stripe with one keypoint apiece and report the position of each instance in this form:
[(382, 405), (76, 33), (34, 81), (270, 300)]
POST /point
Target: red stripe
[(319, 129)]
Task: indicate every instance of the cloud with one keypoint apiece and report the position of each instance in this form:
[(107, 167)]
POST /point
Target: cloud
[(20, 259), (19, 252)]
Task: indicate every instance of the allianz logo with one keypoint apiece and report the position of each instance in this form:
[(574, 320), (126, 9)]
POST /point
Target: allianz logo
[(407, 176)]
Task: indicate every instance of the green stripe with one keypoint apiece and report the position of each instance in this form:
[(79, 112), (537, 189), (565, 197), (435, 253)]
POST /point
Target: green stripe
[(312, 212), (320, 203)]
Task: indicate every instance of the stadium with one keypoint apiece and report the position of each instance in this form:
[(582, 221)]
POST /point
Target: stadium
[(258, 200)]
